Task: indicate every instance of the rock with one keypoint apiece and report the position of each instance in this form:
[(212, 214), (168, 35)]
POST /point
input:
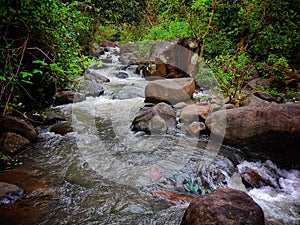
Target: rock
[(180, 105), (12, 143), (94, 75), (10, 193), (195, 128), (110, 44), (273, 130), (223, 206), (96, 50), (265, 96), (66, 97), (157, 119), (13, 124), (62, 128), (122, 75), (227, 106), (195, 112), (173, 58), (93, 89), (170, 90), (128, 58), (252, 179), (253, 101)]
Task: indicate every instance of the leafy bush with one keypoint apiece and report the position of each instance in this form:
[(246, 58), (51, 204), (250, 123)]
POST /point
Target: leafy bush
[(232, 72), (51, 32), (169, 29)]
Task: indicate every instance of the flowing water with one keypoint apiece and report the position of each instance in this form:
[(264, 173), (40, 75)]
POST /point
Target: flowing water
[(102, 173)]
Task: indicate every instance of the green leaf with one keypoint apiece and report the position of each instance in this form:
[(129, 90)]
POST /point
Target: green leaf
[(27, 81), (43, 63), (2, 78), (37, 71), (26, 74)]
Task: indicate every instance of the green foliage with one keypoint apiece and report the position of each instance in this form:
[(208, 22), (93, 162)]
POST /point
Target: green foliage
[(194, 186), (169, 29), (34, 31), (232, 72)]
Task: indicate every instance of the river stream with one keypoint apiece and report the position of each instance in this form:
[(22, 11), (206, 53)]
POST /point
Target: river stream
[(102, 173)]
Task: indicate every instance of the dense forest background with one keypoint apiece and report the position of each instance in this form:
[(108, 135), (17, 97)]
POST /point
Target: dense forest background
[(45, 43)]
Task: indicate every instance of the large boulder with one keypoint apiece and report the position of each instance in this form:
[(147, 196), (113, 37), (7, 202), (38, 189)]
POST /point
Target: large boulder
[(12, 143), (13, 124), (157, 119), (273, 130), (222, 207), (173, 58), (170, 90)]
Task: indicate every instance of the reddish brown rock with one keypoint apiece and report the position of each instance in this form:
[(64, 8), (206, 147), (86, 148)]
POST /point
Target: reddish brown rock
[(253, 179), (223, 207), (170, 90), (174, 58), (13, 124), (12, 143)]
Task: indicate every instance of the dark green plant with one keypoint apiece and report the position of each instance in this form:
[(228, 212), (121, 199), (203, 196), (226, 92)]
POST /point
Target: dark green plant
[(34, 31), (232, 72)]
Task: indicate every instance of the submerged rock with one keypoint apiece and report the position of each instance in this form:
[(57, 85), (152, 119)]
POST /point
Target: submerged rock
[(223, 206), (10, 193)]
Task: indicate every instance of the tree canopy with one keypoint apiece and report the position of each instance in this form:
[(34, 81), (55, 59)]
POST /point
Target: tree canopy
[(43, 43)]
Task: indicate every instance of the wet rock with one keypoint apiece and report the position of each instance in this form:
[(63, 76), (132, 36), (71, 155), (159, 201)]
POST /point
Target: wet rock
[(93, 89), (223, 206), (170, 90), (273, 130), (94, 75), (13, 124), (252, 179), (10, 193), (157, 119), (12, 143), (195, 128), (66, 97), (122, 75), (62, 128), (53, 117), (195, 112)]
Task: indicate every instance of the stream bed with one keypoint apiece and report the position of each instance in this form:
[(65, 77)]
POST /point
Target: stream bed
[(103, 173)]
